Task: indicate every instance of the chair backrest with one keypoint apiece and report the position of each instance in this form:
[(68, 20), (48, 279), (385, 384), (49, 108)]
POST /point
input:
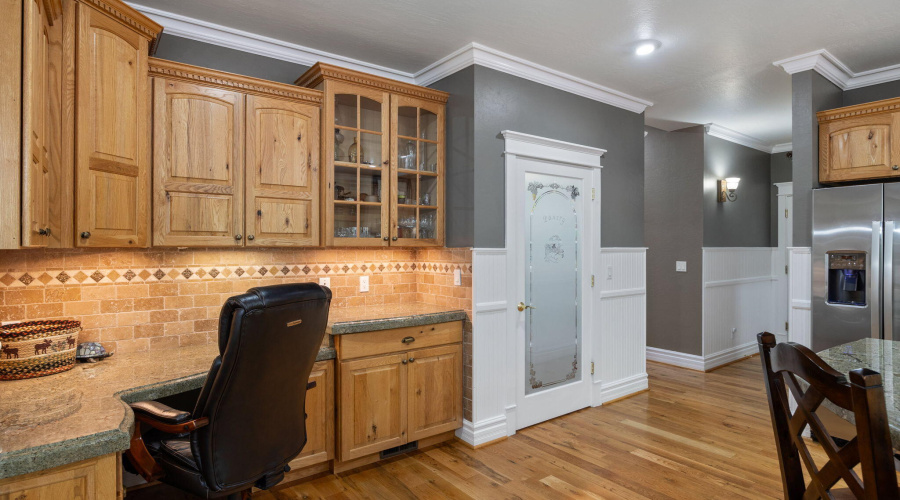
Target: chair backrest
[(783, 364), (255, 394)]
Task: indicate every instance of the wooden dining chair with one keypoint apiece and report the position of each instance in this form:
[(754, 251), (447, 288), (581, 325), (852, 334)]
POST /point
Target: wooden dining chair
[(783, 364)]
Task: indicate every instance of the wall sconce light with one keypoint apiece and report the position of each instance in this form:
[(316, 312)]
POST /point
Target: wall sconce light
[(728, 189)]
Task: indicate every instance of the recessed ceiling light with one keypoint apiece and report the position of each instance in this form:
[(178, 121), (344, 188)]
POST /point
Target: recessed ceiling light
[(645, 47)]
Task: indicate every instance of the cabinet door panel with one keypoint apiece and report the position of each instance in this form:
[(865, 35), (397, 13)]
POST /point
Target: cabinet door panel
[(41, 123), (197, 165), (435, 391), (112, 133), (320, 418), (282, 173), (858, 148), (373, 405)]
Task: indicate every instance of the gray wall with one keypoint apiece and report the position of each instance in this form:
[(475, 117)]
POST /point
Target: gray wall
[(207, 55), (780, 166), (673, 219), (460, 157), (746, 221), (878, 92), (811, 93), (504, 102)]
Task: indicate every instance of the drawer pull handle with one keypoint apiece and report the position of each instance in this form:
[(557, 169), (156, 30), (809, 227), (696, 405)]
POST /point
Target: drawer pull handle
[(408, 340)]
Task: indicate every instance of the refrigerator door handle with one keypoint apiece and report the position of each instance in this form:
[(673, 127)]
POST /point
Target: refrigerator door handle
[(875, 287), (888, 287)]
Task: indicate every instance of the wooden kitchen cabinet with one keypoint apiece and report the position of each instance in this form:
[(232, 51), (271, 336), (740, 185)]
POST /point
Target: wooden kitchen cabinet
[(235, 159), (409, 390), (383, 156), (320, 418), (92, 479), (112, 125), (861, 142)]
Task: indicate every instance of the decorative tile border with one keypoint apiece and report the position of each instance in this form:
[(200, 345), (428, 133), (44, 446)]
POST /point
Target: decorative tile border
[(191, 273)]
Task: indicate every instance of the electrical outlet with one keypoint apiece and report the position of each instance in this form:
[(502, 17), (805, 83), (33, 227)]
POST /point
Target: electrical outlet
[(363, 283), (680, 266), (325, 282), (457, 277), (609, 272)]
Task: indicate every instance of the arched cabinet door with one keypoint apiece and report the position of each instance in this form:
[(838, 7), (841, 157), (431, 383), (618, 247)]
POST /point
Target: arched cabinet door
[(282, 162), (112, 127), (198, 165)]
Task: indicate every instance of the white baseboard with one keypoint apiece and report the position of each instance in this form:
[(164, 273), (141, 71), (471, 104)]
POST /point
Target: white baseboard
[(727, 356), (675, 358), (624, 387), (701, 363), (483, 432)]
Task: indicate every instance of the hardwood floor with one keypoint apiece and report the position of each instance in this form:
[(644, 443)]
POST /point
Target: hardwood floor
[(693, 435)]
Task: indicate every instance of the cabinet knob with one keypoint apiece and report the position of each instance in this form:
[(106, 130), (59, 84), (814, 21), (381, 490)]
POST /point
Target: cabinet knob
[(403, 361), (895, 167), (85, 234), (412, 359), (394, 238), (238, 237), (386, 162), (44, 231), (251, 237)]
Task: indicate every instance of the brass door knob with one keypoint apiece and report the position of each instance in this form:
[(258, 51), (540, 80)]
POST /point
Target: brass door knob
[(522, 306)]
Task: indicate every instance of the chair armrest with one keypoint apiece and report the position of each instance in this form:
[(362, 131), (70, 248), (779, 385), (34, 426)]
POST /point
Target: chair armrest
[(311, 385), (161, 412)]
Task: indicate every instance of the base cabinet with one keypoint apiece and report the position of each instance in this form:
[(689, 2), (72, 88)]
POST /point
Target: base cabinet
[(393, 399), (93, 479), (319, 418)]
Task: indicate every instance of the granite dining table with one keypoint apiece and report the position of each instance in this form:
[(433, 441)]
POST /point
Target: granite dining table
[(882, 356)]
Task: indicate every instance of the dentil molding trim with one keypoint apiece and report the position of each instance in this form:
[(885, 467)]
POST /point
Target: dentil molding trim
[(829, 66), (473, 53), (745, 140)]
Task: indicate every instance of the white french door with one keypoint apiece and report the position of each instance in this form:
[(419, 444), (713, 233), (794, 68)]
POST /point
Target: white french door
[(552, 241)]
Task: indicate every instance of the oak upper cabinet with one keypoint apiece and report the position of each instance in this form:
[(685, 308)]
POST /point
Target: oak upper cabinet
[(198, 165), (42, 85), (112, 125), (235, 159), (383, 182), (397, 386), (319, 418), (282, 173), (860, 142)]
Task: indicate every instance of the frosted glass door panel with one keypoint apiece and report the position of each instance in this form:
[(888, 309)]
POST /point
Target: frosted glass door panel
[(552, 282)]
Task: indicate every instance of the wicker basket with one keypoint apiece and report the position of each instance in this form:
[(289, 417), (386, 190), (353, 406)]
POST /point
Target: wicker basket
[(37, 348)]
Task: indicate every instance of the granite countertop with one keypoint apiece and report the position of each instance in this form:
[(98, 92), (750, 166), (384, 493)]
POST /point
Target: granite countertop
[(882, 356), (83, 413), (343, 320)]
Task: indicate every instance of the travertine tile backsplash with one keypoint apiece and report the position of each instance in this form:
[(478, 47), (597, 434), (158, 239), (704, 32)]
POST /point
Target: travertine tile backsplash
[(135, 300)]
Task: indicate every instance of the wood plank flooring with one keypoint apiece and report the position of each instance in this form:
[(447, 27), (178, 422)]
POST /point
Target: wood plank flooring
[(692, 436)]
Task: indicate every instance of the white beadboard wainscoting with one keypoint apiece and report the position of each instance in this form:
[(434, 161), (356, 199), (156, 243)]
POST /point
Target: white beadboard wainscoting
[(619, 338), (800, 292), (740, 287), (621, 362)]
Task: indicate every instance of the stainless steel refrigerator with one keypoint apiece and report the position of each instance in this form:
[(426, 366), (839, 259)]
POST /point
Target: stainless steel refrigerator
[(854, 263)]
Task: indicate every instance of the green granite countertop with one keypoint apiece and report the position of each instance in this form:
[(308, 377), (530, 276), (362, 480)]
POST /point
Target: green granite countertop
[(83, 413), (883, 356), (343, 320)]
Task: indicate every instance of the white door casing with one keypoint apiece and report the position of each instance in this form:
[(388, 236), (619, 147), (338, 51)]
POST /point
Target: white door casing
[(526, 154)]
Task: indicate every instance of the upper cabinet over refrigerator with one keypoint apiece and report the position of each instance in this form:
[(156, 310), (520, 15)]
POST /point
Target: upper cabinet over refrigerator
[(860, 142), (383, 152)]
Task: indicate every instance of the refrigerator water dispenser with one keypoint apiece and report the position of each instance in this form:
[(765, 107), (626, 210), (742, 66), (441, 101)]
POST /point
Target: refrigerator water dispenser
[(846, 278)]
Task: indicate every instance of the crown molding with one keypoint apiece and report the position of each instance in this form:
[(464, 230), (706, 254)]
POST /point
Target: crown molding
[(745, 140), (829, 66), (202, 31), (475, 53), (782, 148)]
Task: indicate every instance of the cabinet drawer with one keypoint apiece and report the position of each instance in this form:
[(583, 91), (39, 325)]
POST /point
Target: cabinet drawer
[(357, 345)]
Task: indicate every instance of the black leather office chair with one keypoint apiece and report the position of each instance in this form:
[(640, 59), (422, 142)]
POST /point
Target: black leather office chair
[(249, 420)]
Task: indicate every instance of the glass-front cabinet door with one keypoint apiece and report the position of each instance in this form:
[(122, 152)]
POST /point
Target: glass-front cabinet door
[(417, 172), (357, 190)]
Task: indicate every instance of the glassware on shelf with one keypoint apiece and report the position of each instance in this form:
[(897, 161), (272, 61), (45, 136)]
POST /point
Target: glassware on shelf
[(354, 151), (338, 140), (408, 156)]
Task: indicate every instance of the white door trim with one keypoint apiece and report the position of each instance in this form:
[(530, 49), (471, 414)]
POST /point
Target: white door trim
[(519, 146)]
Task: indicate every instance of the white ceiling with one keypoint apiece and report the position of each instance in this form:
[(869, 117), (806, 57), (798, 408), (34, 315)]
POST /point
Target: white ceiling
[(715, 64)]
